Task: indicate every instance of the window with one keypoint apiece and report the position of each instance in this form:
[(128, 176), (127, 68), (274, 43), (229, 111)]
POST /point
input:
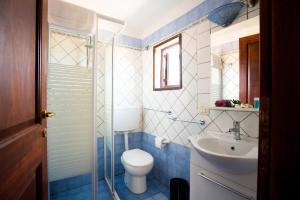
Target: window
[(167, 64)]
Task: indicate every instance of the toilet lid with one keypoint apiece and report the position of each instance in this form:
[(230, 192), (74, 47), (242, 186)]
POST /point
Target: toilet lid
[(137, 157)]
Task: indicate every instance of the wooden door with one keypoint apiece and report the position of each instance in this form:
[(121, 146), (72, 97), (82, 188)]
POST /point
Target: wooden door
[(249, 68), (279, 133), (23, 58)]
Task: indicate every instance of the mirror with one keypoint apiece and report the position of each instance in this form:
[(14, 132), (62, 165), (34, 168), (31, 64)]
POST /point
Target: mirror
[(235, 64)]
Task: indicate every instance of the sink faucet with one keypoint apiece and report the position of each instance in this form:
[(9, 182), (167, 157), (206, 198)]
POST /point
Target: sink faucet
[(236, 130)]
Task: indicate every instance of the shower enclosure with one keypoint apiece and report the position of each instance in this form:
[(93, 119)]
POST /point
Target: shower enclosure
[(70, 95), (80, 93)]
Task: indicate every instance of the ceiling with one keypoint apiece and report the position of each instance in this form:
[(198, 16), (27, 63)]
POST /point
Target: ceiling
[(142, 16)]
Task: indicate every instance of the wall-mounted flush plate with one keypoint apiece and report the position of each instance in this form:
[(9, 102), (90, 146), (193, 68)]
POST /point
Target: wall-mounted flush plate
[(204, 110)]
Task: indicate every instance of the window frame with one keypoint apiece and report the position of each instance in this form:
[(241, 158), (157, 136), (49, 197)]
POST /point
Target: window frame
[(168, 87)]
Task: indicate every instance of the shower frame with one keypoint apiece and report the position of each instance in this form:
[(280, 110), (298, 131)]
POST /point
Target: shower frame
[(111, 183)]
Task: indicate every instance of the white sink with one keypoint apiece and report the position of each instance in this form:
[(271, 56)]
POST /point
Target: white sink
[(223, 151)]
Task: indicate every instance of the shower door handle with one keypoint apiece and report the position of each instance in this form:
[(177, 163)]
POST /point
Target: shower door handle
[(46, 114)]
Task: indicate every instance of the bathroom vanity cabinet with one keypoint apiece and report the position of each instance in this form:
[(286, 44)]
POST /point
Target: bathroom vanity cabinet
[(210, 182)]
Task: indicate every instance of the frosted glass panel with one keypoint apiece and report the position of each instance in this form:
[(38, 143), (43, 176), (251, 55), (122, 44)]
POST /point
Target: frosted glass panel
[(69, 95)]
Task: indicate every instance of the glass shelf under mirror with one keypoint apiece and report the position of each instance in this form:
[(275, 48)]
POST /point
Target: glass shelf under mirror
[(235, 109)]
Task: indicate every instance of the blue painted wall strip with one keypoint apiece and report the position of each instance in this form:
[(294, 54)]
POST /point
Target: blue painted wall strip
[(125, 40), (129, 41)]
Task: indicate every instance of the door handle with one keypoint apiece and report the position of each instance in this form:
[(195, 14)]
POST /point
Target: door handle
[(44, 132), (46, 114)]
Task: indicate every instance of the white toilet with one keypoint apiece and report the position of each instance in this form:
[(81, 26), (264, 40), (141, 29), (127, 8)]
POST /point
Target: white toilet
[(137, 164)]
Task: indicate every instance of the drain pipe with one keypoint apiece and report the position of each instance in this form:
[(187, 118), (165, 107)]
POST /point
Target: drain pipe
[(126, 140)]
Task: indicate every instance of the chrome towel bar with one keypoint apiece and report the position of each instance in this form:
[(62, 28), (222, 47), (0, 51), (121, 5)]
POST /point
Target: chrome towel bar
[(162, 111), (225, 186), (169, 112)]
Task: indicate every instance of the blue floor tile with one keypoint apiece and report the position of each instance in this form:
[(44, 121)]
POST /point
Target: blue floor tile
[(155, 190), (160, 196), (84, 193)]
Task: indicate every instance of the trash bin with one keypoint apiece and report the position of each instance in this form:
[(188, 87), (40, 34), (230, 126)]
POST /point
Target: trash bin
[(179, 189)]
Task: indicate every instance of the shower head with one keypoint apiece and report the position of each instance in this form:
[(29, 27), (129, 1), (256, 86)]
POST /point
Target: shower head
[(88, 46), (89, 43)]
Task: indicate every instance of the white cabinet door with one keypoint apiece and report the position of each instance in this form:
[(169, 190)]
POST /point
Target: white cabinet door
[(206, 187)]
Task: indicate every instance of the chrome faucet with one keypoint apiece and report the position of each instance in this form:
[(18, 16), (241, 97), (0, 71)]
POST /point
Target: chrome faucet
[(236, 130)]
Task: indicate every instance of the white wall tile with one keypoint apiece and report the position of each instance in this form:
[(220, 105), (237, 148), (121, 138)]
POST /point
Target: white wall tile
[(204, 100), (204, 70), (251, 125), (203, 39), (224, 122), (203, 26), (203, 55), (204, 85), (238, 116)]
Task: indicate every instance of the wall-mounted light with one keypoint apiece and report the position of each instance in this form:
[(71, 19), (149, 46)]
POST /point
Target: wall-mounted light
[(251, 3)]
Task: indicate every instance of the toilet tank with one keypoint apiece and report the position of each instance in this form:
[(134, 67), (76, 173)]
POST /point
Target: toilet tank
[(126, 118)]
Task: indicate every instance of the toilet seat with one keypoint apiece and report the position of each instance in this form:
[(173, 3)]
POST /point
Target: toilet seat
[(137, 158)]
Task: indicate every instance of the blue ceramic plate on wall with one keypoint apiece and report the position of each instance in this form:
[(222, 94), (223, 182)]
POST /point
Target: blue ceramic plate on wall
[(225, 14)]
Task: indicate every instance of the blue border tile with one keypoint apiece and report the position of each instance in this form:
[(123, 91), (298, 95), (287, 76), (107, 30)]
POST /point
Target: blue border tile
[(170, 162), (129, 41)]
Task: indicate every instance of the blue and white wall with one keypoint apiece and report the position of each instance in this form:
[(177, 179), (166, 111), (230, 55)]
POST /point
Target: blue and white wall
[(133, 86), (188, 102)]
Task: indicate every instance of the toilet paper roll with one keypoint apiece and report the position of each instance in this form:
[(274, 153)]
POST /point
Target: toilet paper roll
[(160, 142)]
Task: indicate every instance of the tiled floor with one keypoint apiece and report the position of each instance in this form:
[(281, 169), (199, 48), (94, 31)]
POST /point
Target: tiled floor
[(84, 193), (155, 190)]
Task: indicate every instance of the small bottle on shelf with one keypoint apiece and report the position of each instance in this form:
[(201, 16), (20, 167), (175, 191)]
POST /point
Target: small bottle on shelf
[(256, 102)]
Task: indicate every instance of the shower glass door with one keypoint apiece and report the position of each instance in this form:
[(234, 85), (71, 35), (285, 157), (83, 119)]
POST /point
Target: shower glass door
[(70, 131), (108, 30)]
